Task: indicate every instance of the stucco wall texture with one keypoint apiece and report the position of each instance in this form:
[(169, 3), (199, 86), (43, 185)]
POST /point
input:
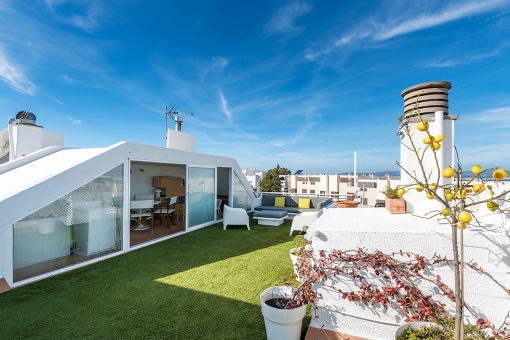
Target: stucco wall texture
[(374, 229)]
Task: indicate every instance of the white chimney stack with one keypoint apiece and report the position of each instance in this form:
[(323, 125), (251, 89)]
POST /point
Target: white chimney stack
[(432, 100)]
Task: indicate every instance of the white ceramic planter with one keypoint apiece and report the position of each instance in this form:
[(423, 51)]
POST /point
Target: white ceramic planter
[(415, 325), (295, 260), (281, 324)]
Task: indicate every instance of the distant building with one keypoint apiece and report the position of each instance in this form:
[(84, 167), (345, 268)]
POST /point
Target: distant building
[(254, 177), (369, 186)]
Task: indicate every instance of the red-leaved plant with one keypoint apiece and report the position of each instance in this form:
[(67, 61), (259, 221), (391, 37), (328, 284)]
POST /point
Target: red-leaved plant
[(400, 276)]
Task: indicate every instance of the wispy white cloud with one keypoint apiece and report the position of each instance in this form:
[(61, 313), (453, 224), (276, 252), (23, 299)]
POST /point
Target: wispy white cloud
[(282, 20), (278, 143), (218, 63), (224, 106), (87, 21), (58, 101), (455, 11), (66, 79), (459, 61), (498, 116), (75, 121), (14, 76), (375, 30)]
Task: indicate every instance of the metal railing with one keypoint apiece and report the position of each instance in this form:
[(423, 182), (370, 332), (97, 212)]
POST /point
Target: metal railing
[(338, 196)]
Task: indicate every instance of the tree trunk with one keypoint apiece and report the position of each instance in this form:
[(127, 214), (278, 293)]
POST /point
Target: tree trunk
[(456, 268)]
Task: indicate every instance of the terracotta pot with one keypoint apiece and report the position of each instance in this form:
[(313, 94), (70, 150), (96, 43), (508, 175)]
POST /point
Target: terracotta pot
[(396, 205), (347, 204)]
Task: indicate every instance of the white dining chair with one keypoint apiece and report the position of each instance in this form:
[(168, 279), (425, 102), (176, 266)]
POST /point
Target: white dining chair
[(141, 215)]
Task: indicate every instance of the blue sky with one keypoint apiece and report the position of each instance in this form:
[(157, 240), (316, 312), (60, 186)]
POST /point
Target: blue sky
[(303, 84)]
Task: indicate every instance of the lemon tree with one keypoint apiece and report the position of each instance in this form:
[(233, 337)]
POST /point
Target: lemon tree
[(455, 200)]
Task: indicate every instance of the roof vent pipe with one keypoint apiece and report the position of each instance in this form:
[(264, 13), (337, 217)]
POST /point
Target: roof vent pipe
[(178, 123), (11, 141)]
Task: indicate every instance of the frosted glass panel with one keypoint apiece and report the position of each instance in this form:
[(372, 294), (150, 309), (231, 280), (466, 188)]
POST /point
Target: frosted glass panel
[(82, 225), (201, 198), (241, 197)]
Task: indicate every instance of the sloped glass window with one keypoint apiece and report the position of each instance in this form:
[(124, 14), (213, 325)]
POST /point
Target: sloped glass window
[(83, 225), (241, 197)]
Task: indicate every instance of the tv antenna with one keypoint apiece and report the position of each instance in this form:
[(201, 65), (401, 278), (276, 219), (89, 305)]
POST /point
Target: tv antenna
[(176, 116)]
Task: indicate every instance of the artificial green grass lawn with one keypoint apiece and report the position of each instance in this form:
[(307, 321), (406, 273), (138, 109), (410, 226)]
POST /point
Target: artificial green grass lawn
[(201, 285)]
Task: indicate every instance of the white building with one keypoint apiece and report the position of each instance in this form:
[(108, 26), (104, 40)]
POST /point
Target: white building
[(369, 186), (254, 177), (62, 208)]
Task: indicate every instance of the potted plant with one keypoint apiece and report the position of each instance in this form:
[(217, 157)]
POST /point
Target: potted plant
[(295, 255), (349, 203), (283, 313), (393, 202), (442, 330)]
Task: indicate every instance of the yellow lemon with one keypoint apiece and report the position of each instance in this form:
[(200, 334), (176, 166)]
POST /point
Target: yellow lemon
[(445, 212), (436, 146), (478, 188), (449, 196), (429, 196), (432, 186), (476, 169), (422, 126), (499, 174), (401, 192), (428, 139), (457, 194), (448, 173), (461, 226), (419, 188), (439, 138), (492, 206), (465, 217)]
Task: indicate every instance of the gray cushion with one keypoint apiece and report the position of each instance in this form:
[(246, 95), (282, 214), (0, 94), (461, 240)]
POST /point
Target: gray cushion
[(268, 200), (295, 210), (273, 208), (270, 214)]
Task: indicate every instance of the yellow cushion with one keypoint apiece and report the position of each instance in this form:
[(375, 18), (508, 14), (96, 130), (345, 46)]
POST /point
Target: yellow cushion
[(304, 203), (279, 202)]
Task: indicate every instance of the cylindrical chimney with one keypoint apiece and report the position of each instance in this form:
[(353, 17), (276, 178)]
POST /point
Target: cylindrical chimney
[(427, 102), (178, 122)]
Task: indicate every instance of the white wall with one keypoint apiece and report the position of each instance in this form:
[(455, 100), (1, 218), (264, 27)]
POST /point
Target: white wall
[(376, 229), (50, 138), (223, 182), (141, 182), (180, 140), (26, 138)]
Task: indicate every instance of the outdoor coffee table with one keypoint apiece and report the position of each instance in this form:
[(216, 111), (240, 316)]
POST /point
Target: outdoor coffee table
[(270, 217)]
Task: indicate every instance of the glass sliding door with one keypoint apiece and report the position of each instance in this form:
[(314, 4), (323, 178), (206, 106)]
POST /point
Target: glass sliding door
[(82, 225), (201, 195), (241, 197)]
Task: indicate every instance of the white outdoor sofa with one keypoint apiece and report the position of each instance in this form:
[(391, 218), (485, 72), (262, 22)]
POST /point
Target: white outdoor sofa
[(304, 219), (235, 216)]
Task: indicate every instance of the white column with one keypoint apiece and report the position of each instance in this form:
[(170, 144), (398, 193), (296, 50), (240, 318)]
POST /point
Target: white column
[(439, 118)]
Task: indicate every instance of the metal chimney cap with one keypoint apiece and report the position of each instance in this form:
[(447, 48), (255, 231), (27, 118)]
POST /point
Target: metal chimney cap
[(433, 84), (25, 117)]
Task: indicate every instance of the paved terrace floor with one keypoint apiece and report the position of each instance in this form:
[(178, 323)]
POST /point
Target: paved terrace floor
[(201, 285)]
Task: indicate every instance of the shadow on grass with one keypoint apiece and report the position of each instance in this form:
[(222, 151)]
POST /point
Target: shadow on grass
[(213, 279)]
